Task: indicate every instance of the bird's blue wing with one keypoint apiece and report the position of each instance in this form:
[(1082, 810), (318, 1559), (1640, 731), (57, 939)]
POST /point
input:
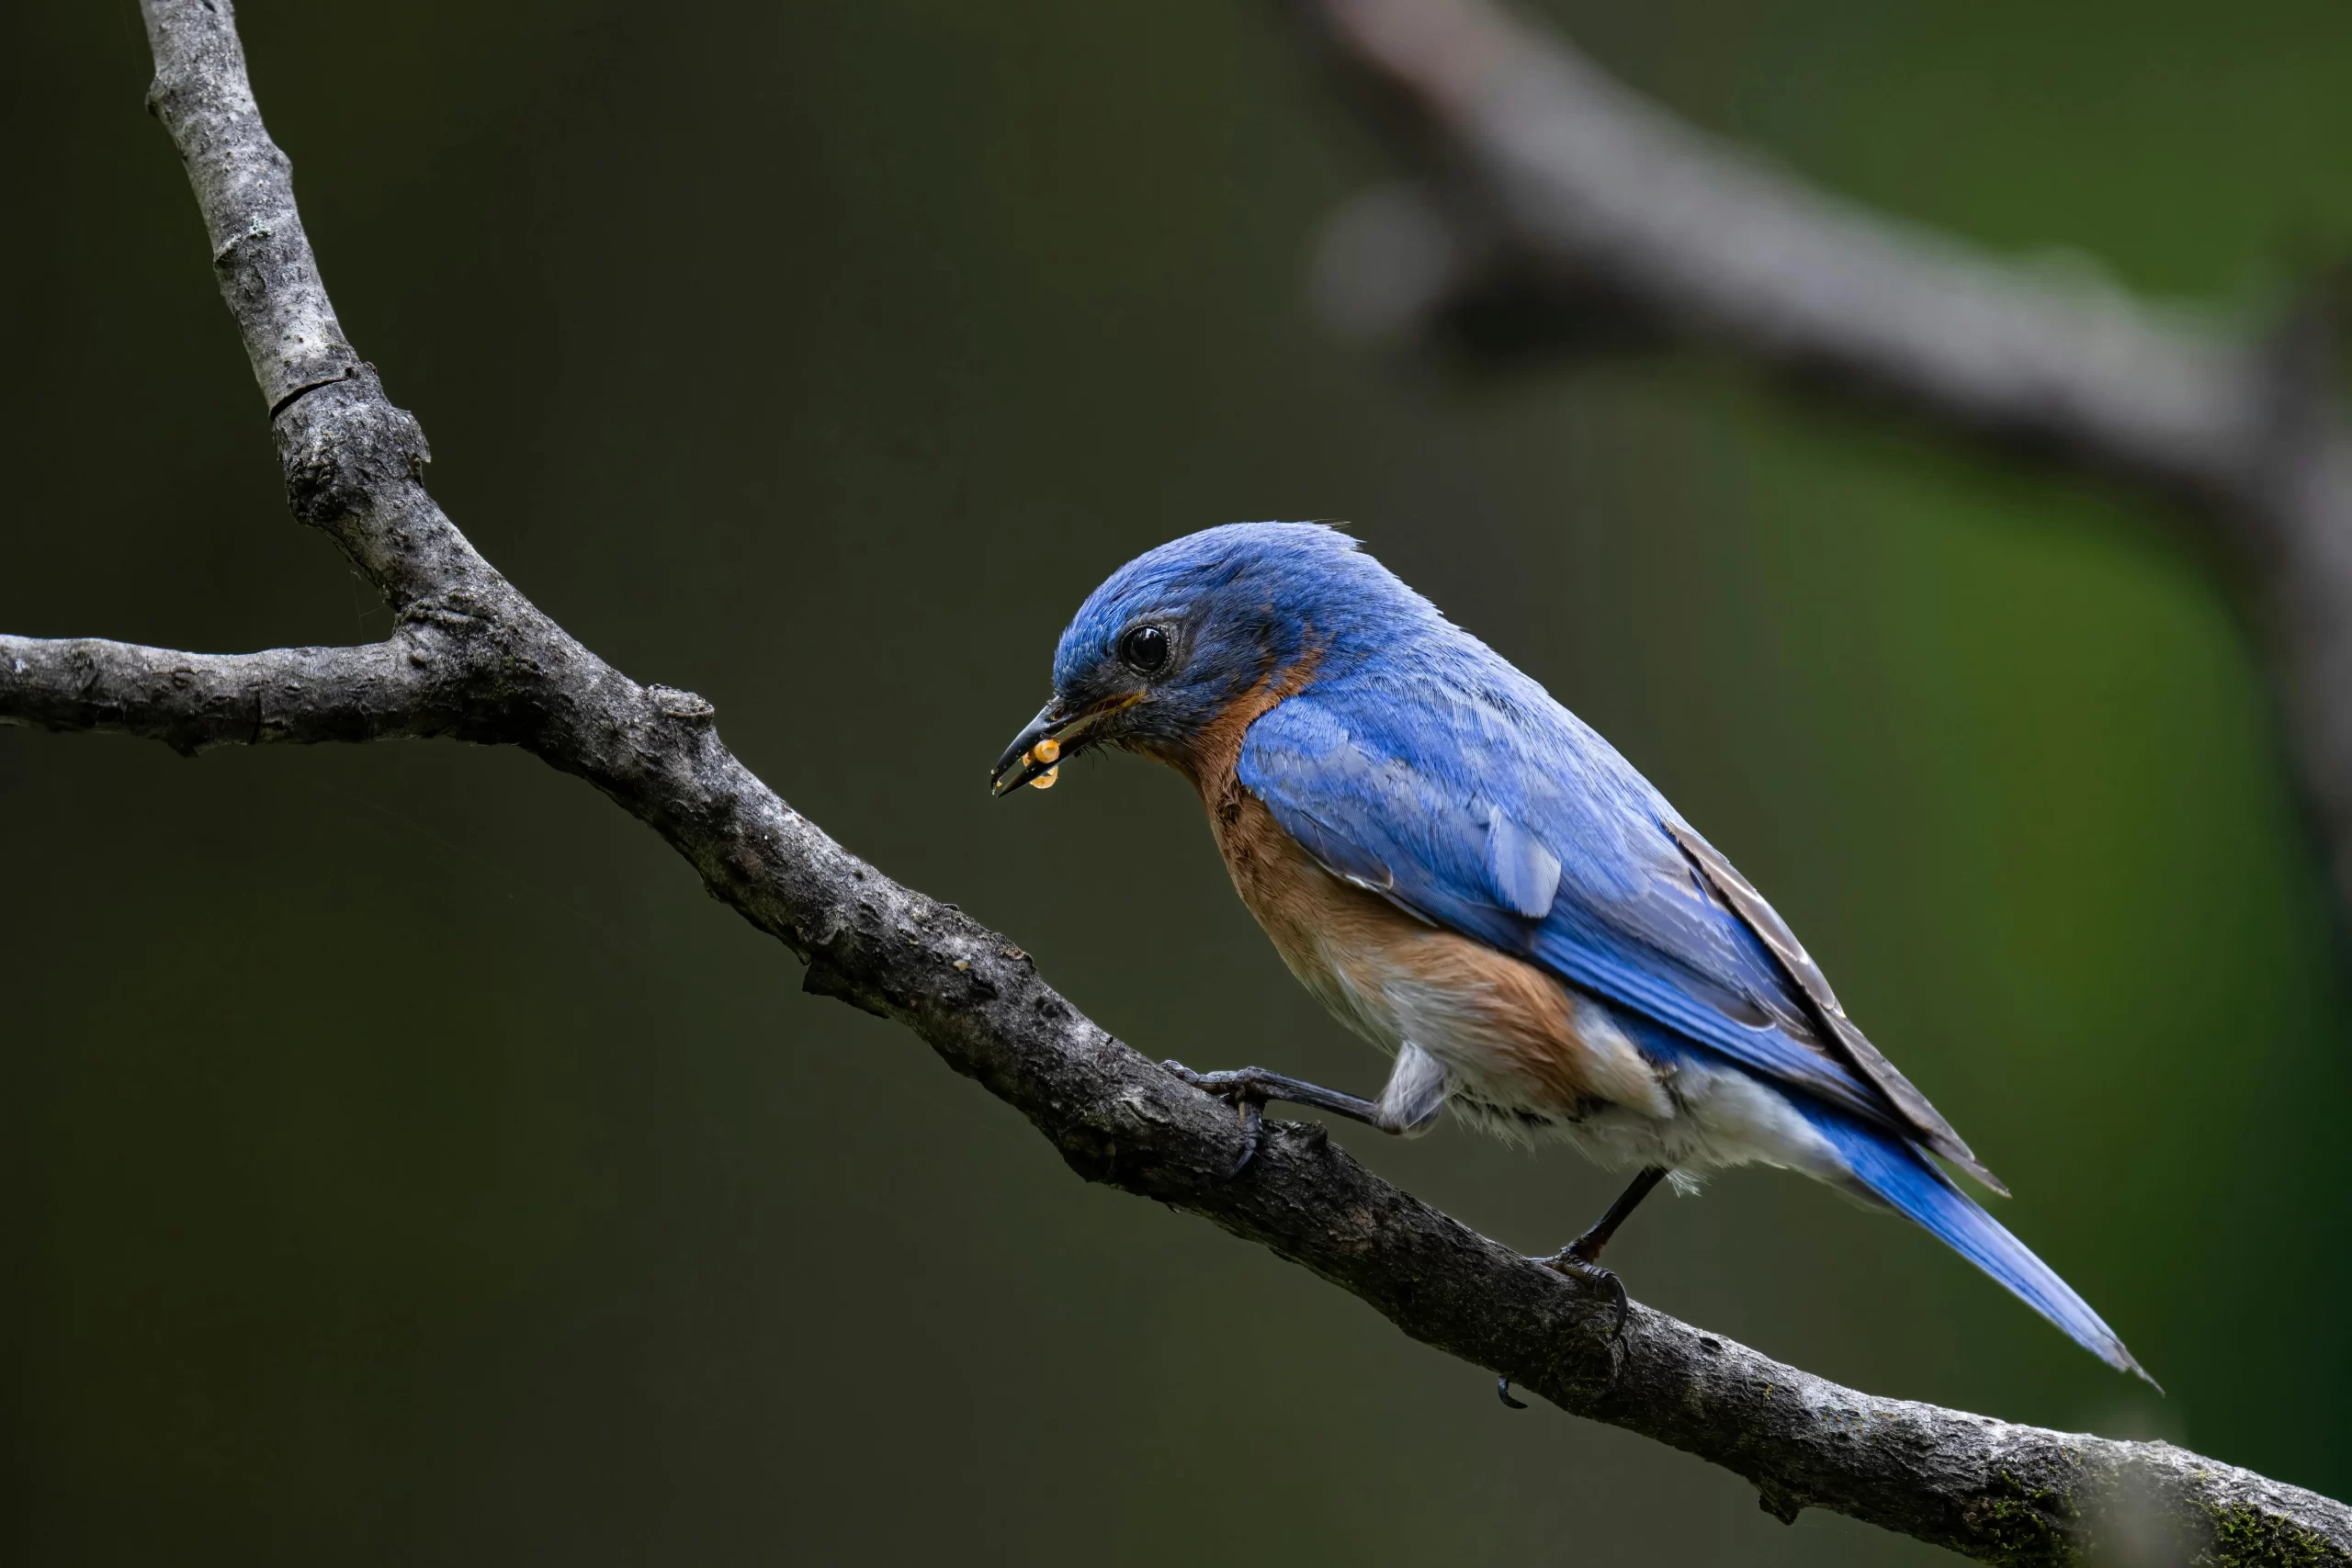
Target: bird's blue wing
[(1474, 801)]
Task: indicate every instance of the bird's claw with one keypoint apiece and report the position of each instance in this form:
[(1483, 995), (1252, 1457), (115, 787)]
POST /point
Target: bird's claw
[(1239, 1089), (1593, 1276), (1576, 1264)]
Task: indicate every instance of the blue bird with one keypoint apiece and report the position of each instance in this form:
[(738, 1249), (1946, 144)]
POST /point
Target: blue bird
[(1475, 881)]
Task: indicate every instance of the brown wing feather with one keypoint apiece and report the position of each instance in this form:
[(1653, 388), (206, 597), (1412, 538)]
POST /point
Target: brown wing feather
[(1847, 1041)]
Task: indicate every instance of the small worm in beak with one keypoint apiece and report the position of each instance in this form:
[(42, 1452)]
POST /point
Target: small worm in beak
[(1046, 780), (1048, 751)]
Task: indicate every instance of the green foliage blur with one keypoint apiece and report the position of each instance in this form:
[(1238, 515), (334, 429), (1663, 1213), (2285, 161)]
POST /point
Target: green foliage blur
[(403, 1161)]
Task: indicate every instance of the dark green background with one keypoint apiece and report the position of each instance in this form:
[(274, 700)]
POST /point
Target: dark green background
[(400, 1159)]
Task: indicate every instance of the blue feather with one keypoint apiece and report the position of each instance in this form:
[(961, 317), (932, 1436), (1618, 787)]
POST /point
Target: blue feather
[(1894, 1172), (1392, 779)]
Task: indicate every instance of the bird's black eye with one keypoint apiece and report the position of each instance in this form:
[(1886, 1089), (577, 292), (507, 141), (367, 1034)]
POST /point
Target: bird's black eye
[(1145, 649)]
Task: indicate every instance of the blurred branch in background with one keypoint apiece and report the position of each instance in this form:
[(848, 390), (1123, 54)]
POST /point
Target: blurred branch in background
[(1559, 213), (471, 658)]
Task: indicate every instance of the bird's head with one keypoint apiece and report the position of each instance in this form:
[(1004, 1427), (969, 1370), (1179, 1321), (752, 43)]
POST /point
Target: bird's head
[(1166, 647)]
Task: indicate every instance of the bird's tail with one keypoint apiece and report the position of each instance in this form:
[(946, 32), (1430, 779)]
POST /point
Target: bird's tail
[(1893, 1171)]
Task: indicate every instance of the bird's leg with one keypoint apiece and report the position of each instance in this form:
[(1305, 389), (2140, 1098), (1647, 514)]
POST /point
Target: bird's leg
[(1409, 1105), (1587, 1248), (1580, 1259), (1248, 1090)]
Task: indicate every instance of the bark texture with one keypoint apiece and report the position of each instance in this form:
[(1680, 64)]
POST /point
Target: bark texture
[(471, 658)]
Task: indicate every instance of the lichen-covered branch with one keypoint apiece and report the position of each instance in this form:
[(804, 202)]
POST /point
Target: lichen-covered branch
[(1556, 209), (472, 658)]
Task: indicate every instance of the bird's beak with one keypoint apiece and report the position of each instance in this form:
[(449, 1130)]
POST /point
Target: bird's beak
[(1046, 739)]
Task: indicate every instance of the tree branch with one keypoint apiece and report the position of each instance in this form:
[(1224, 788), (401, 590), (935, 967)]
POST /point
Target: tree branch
[(1560, 206), (192, 702), (472, 658)]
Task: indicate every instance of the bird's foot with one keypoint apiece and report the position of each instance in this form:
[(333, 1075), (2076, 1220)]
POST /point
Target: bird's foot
[(1573, 1262), (1246, 1091)]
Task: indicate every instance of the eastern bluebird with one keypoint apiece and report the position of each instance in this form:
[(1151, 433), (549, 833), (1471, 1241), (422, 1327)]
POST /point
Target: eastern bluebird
[(1469, 877)]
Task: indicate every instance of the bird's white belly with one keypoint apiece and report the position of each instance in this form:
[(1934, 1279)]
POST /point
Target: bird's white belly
[(1722, 1117)]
